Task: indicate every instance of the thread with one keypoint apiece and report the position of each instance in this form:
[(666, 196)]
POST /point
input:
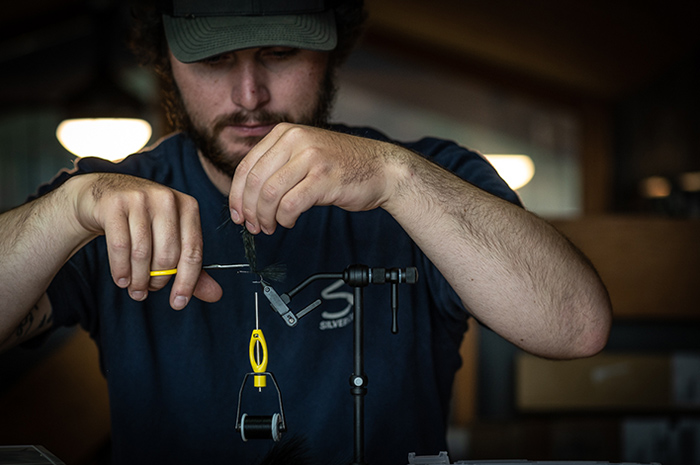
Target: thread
[(260, 427)]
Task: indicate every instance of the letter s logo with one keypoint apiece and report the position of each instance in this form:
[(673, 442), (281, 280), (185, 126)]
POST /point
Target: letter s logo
[(330, 294)]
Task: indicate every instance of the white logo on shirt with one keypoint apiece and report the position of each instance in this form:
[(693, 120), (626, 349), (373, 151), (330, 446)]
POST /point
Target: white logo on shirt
[(334, 320)]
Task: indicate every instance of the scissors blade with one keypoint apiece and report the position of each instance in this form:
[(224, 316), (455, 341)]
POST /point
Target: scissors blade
[(238, 266), (217, 266)]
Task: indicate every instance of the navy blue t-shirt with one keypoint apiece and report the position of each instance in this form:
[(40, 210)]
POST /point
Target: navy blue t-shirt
[(174, 377)]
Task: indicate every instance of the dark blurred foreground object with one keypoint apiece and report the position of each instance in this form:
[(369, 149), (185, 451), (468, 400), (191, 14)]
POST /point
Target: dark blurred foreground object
[(443, 459), (31, 455)]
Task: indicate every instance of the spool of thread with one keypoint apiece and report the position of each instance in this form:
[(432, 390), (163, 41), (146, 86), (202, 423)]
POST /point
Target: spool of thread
[(260, 427)]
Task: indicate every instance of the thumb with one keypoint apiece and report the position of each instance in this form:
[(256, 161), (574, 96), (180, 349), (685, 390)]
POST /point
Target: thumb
[(207, 289)]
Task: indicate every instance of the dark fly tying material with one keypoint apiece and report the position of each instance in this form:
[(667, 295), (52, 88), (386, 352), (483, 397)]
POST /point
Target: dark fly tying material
[(274, 272)]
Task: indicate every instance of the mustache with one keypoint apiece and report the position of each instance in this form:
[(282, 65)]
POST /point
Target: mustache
[(263, 117)]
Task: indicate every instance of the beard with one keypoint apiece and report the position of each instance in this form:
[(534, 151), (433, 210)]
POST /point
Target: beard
[(209, 142)]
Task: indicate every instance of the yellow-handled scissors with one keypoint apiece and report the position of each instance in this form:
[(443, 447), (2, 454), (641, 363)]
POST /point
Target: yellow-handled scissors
[(257, 344), (207, 267)]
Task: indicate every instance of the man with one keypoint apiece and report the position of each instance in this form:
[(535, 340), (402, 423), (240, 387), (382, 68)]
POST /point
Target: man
[(251, 88)]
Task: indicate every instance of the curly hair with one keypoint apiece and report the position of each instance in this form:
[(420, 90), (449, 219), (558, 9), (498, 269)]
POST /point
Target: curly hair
[(147, 42)]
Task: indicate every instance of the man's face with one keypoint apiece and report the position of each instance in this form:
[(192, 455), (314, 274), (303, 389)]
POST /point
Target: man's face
[(233, 100)]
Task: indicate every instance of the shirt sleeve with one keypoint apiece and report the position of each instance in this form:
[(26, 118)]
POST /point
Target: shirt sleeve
[(72, 290), (468, 164)]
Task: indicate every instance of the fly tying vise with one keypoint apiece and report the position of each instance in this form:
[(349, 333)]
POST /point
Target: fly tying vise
[(358, 277)]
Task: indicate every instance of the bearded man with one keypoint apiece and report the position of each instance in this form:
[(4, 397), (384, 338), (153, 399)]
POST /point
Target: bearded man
[(249, 86)]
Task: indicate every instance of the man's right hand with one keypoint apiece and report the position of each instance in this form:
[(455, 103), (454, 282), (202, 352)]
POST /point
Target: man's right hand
[(147, 227)]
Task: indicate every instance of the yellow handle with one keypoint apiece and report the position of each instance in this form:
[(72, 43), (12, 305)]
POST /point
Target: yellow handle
[(258, 338), (164, 272)]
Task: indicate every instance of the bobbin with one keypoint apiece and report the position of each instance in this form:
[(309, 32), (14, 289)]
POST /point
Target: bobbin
[(260, 426)]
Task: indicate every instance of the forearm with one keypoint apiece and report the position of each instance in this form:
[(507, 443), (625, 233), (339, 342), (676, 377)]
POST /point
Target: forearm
[(513, 271), (36, 240)]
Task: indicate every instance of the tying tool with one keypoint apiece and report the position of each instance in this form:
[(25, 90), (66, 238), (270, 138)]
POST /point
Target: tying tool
[(257, 342), (173, 271), (259, 426)]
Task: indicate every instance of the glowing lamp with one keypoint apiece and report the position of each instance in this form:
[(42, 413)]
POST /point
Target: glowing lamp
[(109, 138), (655, 187), (516, 170)]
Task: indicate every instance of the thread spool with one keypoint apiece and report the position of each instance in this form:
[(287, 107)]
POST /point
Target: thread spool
[(260, 427)]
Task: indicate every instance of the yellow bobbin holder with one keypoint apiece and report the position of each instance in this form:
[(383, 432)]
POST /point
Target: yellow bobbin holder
[(256, 338)]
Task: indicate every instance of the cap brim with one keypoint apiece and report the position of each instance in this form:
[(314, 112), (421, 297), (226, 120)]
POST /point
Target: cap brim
[(194, 39)]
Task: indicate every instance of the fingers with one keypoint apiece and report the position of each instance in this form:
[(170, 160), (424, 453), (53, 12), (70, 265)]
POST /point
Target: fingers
[(166, 235), (140, 256), (250, 175), (151, 227), (128, 237), (296, 167), (265, 190), (259, 186), (116, 230), (189, 264), (207, 289), (271, 196)]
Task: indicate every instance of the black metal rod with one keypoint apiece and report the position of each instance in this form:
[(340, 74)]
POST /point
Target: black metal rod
[(311, 279), (359, 341), (358, 276), (358, 379)]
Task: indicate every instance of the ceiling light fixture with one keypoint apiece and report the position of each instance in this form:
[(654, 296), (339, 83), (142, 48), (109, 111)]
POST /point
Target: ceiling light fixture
[(108, 138), (102, 119), (516, 170)]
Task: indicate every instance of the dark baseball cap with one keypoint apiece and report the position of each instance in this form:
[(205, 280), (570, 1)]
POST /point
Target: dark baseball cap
[(199, 29)]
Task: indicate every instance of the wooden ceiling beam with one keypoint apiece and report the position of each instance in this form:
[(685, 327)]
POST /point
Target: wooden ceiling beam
[(604, 48)]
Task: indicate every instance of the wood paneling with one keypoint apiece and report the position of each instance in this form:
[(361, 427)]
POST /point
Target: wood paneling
[(651, 266), (465, 391)]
